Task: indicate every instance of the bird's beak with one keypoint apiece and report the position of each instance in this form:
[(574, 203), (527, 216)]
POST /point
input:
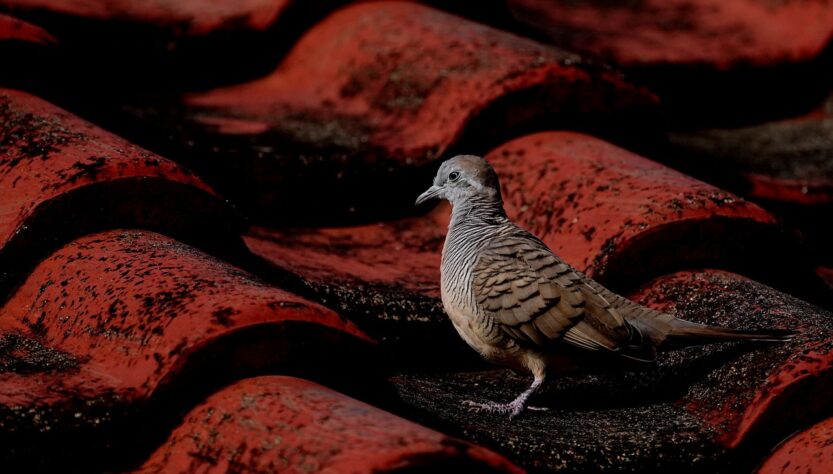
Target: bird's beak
[(431, 193)]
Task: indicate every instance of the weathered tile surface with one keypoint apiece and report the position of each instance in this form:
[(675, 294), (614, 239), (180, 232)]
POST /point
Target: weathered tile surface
[(367, 99), (286, 424), (62, 177), (114, 333)]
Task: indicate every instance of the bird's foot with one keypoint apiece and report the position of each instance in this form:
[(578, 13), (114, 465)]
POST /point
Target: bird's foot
[(512, 409)]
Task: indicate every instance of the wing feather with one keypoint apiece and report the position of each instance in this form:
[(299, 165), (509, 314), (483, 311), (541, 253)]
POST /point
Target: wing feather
[(537, 299)]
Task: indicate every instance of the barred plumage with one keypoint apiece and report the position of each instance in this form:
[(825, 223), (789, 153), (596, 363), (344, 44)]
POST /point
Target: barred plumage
[(518, 304)]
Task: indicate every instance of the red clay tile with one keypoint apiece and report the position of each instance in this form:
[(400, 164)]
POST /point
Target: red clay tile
[(14, 29), (28, 53), (711, 61), (787, 165), (808, 452), (190, 17), (826, 274), (116, 331), (758, 396), (719, 33), (789, 160), (285, 424), (621, 218), (113, 50), (616, 216), (62, 177), (400, 85), (718, 408)]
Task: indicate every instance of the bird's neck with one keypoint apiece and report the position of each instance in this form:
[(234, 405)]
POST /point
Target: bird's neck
[(473, 225), (476, 216), (476, 212)]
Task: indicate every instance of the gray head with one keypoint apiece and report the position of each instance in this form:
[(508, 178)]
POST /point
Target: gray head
[(464, 178)]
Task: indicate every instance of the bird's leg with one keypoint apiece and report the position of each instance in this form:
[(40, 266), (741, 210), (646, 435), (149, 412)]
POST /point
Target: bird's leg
[(513, 408)]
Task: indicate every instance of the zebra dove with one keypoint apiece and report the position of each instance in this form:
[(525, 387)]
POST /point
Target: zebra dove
[(519, 305)]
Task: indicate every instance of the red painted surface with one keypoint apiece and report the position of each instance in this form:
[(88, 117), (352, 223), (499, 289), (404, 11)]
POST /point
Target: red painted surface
[(719, 33), (808, 452), (113, 318), (401, 84), (61, 176), (189, 17), (18, 30), (285, 424), (757, 396)]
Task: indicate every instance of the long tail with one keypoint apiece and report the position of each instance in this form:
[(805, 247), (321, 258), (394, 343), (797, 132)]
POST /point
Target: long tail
[(664, 331), (686, 333), (667, 332)]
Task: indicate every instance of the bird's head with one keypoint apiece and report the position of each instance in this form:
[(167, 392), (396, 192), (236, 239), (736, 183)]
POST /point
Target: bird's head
[(464, 178)]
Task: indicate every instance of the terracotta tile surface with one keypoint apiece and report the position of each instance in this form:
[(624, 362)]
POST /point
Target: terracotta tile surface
[(284, 424), (711, 409), (117, 324), (786, 160), (62, 177), (807, 452), (210, 269), (711, 61), (714, 32), (402, 85), (613, 214), (14, 29)]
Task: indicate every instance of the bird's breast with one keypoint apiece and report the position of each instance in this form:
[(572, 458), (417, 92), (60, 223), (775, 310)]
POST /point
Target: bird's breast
[(485, 338)]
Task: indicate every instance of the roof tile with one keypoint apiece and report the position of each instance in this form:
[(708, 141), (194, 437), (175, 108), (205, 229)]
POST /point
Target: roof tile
[(403, 84), (809, 451), (713, 62), (63, 177), (715, 408), (285, 424), (613, 214), (124, 325)]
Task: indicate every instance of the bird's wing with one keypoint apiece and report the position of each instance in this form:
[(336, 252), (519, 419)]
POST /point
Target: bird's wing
[(538, 299)]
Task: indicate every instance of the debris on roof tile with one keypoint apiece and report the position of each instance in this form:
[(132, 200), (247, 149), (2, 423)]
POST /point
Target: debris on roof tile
[(320, 141), (789, 160), (145, 326), (613, 214), (809, 451), (128, 325), (62, 177), (716, 408), (712, 62), (122, 48), (623, 219), (749, 394), (786, 165), (286, 424)]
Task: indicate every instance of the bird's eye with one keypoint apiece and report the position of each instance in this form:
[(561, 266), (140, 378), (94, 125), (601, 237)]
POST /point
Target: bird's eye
[(454, 176)]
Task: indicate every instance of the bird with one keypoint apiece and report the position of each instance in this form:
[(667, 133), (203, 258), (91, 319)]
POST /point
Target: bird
[(519, 305)]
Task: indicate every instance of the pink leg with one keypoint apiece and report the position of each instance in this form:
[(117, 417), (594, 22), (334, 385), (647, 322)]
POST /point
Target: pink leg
[(513, 408)]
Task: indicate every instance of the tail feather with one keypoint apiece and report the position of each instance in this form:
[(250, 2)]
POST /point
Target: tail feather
[(696, 334), (664, 331)]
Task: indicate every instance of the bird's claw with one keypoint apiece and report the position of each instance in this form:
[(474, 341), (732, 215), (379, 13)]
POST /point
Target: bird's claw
[(513, 409)]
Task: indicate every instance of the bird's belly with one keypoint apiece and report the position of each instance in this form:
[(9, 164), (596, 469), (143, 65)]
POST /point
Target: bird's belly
[(493, 348)]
